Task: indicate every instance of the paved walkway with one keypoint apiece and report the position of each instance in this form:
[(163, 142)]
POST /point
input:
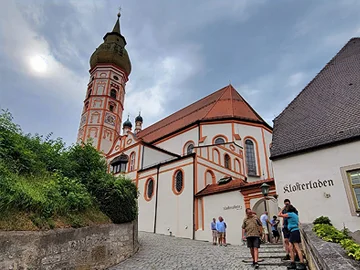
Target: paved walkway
[(164, 252)]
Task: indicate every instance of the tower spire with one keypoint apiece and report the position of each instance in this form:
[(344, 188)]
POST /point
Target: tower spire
[(116, 28)]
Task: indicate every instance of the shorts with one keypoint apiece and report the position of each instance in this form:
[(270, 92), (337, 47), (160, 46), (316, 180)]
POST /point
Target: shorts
[(295, 237), (220, 234), (214, 233), (265, 229), (286, 233), (253, 241), (276, 234)]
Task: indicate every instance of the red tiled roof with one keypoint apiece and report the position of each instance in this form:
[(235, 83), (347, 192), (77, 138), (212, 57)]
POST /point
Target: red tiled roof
[(234, 184), (225, 103)]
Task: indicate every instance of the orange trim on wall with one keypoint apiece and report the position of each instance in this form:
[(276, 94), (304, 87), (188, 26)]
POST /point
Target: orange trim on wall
[(145, 189), (147, 176), (265, 152), (138, 161), (123, 149), (237, 175), (237, 122), (213, 156), (213, 179), (257, 154), (173, 181), (229, 150), (220, 135), (196, 214), (239, 166), (202, 213), (196, 175)]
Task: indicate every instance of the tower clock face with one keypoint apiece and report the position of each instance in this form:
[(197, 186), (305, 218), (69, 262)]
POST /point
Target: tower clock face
[(110, 119)]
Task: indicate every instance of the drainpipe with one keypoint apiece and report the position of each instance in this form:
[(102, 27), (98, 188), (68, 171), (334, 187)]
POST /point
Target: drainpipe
[(193, 234), (156, 196)]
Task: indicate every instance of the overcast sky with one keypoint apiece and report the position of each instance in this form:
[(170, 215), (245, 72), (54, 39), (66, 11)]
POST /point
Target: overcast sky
[(180, 51)]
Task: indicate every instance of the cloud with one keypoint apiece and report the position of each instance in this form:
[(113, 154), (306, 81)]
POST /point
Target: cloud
[(296, 79)]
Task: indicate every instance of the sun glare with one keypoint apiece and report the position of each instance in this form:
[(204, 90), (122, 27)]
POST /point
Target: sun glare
[(38, 64)]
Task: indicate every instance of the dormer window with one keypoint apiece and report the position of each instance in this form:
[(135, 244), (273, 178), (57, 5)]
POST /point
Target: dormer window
[(89, 93), (118, 164)]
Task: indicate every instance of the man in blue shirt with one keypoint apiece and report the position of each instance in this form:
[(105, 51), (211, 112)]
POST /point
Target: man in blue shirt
[(294, 237), (220, 228), (214, 231)]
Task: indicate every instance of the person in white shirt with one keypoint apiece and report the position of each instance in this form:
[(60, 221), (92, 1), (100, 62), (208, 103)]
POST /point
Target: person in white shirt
[(264, 221)]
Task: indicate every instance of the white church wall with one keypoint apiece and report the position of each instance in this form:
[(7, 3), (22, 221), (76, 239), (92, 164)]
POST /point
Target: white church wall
[(146, 206), (330, 198), (214, 130), (176, 144), (153, 156), (229, 205), (175, 212)]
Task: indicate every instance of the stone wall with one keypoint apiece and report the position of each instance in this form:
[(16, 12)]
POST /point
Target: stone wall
[(97, 247), (324, 255)]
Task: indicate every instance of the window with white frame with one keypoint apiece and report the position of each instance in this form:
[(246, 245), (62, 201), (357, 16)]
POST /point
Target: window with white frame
[(132, 162), (354, 179), (250, 157)]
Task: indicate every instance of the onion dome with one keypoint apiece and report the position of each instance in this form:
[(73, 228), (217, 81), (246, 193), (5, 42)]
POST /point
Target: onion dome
[(112, 50), (139, 118), (127, 123)]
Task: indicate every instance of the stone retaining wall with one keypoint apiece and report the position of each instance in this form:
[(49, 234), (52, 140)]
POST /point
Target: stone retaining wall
[(322, 255), (97, 247)]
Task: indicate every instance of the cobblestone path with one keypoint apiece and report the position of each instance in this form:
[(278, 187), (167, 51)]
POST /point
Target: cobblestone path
[(164, 252)]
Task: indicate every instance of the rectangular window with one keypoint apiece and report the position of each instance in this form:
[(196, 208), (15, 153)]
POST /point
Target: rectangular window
[(354, 179)]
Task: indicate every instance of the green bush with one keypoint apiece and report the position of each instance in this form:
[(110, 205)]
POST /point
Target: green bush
[(352, 249), (42, 178), (330, 234), (322, 220)]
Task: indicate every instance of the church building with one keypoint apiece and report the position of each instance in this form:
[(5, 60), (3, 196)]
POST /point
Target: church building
[(206, 160)]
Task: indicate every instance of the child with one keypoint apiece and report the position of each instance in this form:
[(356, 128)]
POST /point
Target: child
[(295, 238), (274, 228)]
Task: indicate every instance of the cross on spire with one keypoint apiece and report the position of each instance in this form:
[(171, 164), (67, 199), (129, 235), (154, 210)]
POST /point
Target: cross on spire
[(119, 13)]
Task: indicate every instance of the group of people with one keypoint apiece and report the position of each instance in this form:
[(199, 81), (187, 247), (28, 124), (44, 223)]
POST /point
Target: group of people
[(274, 228), (218, 229), (254, 230)]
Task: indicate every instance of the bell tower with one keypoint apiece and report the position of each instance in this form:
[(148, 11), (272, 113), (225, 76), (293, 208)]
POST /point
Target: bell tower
[(101, 116)]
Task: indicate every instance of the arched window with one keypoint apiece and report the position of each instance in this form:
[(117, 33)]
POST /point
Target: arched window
[(149, 189), (190, 149), (132, 162), (219, 140), (209, 178), (227, 161), (178, 182), (113, 93), (250, 157), (216, 156)]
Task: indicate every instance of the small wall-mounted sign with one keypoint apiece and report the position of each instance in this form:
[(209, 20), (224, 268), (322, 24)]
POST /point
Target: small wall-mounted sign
[(309, 185), (236, 207)]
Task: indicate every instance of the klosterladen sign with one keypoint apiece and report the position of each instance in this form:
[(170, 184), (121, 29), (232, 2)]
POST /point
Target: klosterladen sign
[(309, 185)]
